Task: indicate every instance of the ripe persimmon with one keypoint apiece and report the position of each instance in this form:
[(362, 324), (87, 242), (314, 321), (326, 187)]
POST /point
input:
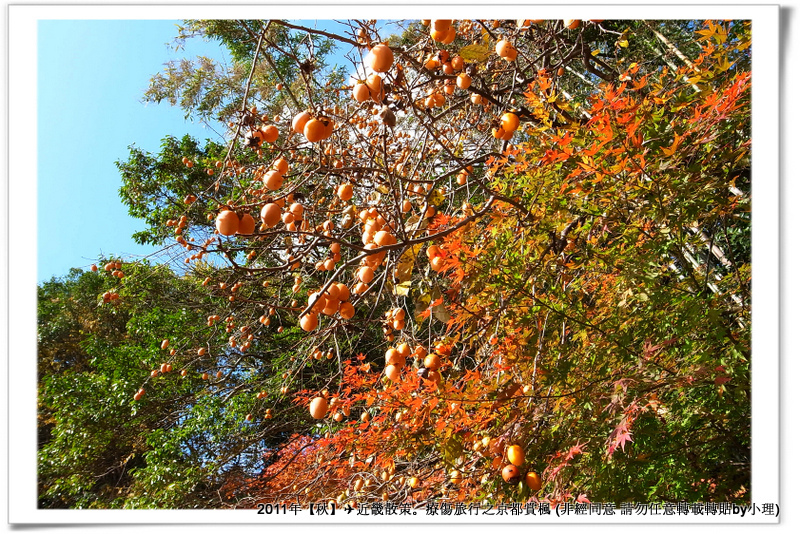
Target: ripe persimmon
[(269, 133), (314, 130), (511, 56), (384, 238), (463, 81), (247, 225), (366, 274), (393, 356), (477, 99), (404, 350), (331, 307), (345, 192), (375, 85), (393, 372), (511, 474), (297, 210), (300, 120), (433, 362), (309, 321), (504, 48), (227, 222), (270, 214), (333, 293), (360, 288), (516, 455), (346, 310), (273, 180), (318, 407), (509, 121), (450, 36), (329, 125), (361, 92), (344, 291), (533, 481), (380, 58), (281, 165), (441, 25), (439, 35)]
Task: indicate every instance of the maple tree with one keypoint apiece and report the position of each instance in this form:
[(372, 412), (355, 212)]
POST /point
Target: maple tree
[(505, 243)]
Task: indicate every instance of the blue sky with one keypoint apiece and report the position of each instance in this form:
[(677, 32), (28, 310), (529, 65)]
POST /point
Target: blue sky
[(91, 77)]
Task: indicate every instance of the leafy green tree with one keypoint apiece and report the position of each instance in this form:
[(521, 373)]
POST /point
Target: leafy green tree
[(100, 448)]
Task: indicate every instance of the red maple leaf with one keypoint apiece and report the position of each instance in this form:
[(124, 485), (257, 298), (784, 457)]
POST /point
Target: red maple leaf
[(619, 436), (575, 450)]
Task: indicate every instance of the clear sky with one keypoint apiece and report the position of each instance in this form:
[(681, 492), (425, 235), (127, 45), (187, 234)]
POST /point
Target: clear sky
[(91, 77)]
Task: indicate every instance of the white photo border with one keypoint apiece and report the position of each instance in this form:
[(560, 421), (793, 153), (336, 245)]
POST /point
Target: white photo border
[(21, 376)]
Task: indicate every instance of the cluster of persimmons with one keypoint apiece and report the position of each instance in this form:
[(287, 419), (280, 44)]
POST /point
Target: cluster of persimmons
[(341, 194)]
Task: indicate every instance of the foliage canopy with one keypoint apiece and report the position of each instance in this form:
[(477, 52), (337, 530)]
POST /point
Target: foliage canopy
[(555, 257)]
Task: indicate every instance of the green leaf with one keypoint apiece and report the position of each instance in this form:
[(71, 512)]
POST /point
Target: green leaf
[(451, 449)]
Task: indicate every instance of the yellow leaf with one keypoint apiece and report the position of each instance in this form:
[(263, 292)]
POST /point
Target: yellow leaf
[(474, 53), (595, 52), (437, 197), (623, 43), (406, 265), (402, 289), (671, 150)]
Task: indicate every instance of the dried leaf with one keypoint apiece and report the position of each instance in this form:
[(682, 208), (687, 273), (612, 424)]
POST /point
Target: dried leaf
[(441, 313)]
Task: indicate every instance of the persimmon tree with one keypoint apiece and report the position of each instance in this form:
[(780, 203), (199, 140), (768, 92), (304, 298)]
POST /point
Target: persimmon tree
[(505, 260)]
